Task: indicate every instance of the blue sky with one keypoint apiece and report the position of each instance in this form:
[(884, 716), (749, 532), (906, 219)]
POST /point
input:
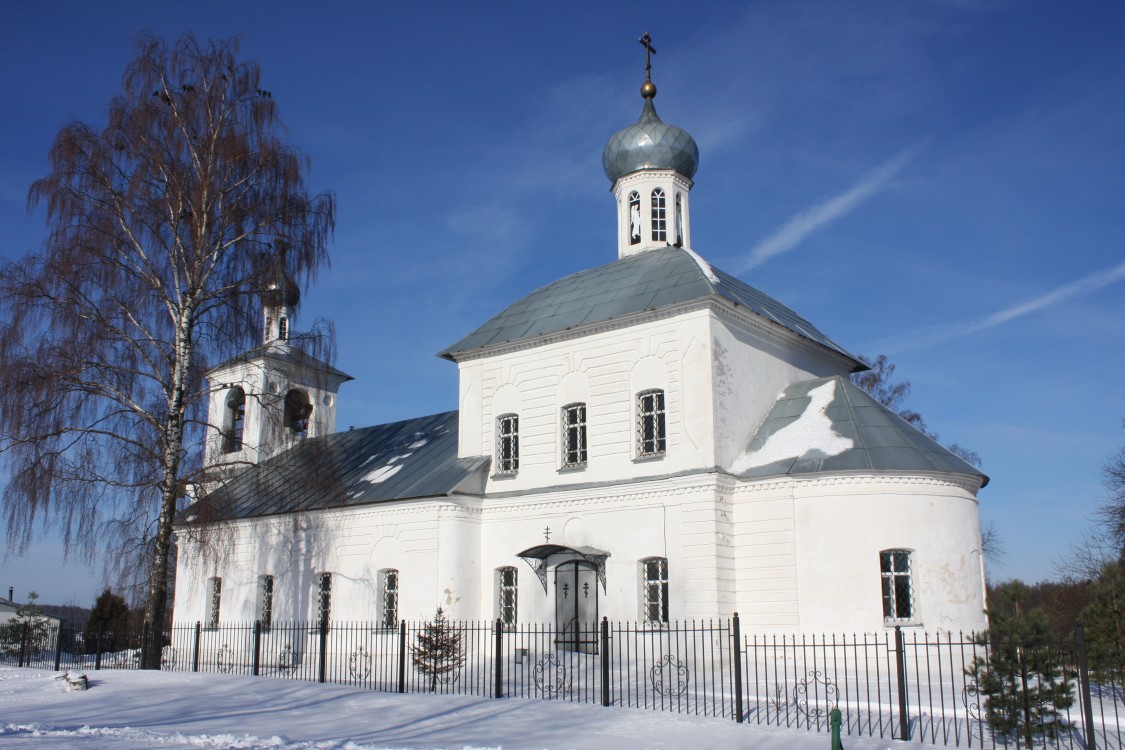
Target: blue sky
[(942, 182)]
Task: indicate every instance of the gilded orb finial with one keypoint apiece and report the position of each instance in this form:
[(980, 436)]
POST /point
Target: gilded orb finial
[(648, 90)]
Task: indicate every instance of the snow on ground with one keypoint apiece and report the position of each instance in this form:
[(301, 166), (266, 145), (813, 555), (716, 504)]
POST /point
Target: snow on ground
[(132, 710)]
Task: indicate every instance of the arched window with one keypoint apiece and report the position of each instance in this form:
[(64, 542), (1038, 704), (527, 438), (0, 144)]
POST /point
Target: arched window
[(898, 589), (324, 599), (634, 217), (233, 420), (506, 604), (650, 424), (507, 444), (298, 410), (265, 601), (654, 590), (574, 436), (679, 219), (214, 600), (659, 216), (283, 325), (388, 598)]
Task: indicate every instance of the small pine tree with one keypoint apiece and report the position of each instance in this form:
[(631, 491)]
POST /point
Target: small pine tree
[(1023, 676), (437, 652), (28, 623)]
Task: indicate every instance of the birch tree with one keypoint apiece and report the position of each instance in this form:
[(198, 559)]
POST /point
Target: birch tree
[(162, 229)]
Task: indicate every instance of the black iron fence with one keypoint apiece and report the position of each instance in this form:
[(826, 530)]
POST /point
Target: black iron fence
[(935, 689)]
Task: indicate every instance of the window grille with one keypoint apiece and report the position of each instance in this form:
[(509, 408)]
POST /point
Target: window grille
[(574, 435), (389, 586), (324, 601), (507, 444), (634, 217), (234, 421), (650, 424), (506, 585), (898, 591), (654, 572), (659, 216), (265, 601), (283, 328), (214, 600)]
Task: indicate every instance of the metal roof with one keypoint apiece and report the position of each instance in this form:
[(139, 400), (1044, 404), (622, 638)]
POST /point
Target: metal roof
[(415, 458), (646, 281), (650, 143), (825, 415)]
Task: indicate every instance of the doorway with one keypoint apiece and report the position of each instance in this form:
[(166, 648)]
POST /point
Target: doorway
[(576, 607)]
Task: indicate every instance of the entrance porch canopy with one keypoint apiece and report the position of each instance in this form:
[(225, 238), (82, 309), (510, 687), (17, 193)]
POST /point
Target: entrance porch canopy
[(541, 555)]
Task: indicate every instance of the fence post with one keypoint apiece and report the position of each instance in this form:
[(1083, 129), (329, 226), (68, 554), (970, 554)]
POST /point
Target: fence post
[(402, 657), (1084, 685), (23, 641), (98, 646), (195, 647), (900, 659), (144, 645), (499, 658), (737, 636), (605, 662), (323, 668), (58, 646), (257, 646)]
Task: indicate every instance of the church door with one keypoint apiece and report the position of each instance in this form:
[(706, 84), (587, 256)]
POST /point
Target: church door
[(576, 607)]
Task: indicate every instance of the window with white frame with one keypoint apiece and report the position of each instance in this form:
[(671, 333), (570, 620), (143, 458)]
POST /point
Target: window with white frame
[(507, 444), (234, 420), (388, 598), (283, 329), (634, 217), (265, 601), (654, 589), (298, 410), (324, 598), (507, 595), (574, 436), (898, 589), (214, 600), (659, 216), (650, 424), (679, 219)]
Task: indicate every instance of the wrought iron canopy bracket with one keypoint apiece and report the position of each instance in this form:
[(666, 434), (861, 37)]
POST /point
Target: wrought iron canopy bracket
[(537, 558)]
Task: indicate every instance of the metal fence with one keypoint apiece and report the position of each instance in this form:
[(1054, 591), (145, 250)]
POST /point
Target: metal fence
[(934, 689)]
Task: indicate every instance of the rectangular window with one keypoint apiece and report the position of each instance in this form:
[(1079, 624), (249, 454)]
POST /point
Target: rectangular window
[(654, 572), (507, 444), (214, 600), (650, 424), (574, 435), (659, 217), (265, 601), (324, 599), (506, 586), (388, 586), (898, 593)]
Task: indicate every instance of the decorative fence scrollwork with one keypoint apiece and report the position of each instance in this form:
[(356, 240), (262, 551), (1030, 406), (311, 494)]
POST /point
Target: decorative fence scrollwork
[(816, 695), (285, 660), (359, 664), (669, 676), (550, 675), (168, 659), (224, 658)]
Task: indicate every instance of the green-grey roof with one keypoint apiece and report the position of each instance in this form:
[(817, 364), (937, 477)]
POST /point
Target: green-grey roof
[(829, 425), (415, 458), (646, 281), (650, 143)]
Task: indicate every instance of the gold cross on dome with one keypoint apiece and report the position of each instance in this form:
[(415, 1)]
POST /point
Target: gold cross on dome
[(646, 41)]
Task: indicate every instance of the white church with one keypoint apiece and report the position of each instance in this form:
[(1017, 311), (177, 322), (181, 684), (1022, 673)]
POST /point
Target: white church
[(650, 440)]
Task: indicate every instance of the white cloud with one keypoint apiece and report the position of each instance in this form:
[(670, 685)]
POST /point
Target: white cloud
[(804, 223)]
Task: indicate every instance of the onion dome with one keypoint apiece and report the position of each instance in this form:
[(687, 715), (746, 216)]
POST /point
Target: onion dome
[(280, 290), (650, 143)]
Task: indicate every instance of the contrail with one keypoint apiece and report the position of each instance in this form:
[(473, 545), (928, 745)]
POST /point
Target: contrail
[(802, 224)]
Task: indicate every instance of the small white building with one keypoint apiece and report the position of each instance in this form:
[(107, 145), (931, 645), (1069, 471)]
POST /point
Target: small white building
[(652, 439)]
